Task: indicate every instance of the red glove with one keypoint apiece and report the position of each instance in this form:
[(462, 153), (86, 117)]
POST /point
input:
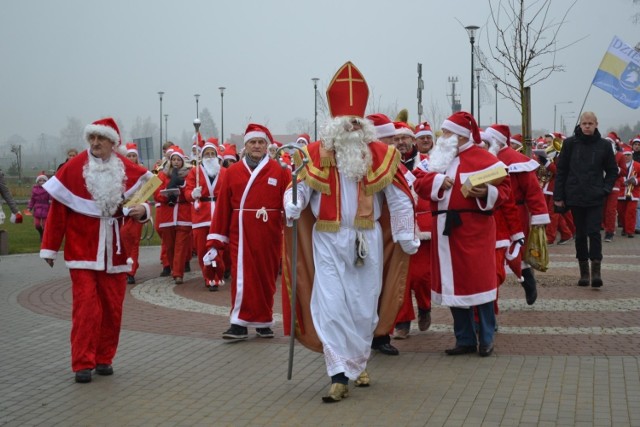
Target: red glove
[(16, 218)]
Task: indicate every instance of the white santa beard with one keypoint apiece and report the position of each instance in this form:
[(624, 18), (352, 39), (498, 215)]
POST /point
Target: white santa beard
[(105, 182), (443, 153), (495, 147), (211, 167), (353, 157)]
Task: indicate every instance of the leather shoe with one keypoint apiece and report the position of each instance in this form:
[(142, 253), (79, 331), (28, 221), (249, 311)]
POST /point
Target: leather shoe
[(461, 349), (83, 376), (424, 320), (104, 370), (485, 350), (336, 393), (388, 349)]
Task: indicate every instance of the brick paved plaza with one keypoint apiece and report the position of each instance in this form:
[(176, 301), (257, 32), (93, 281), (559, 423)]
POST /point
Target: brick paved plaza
[(571, 359)]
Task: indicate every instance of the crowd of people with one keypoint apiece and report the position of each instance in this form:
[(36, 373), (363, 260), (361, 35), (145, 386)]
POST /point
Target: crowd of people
[(386, 212)]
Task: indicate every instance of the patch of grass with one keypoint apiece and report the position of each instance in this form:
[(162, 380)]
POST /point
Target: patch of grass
[(24, 238)]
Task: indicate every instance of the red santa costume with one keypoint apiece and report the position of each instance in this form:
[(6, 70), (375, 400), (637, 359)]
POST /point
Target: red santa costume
[(629, 194), (419, 274), (611, 202), (86, 213), (559, 222), (164, 213), (202, 192), (248, 220), (464, 232), (176, 226), (526, 191)]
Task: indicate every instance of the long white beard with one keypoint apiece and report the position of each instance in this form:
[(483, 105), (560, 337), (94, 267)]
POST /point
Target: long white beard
[(353, 157), (105, 182), (443, 153), (494, 147), (211, 166)]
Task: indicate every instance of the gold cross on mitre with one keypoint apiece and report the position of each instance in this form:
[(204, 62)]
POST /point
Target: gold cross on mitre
[(349, 79)]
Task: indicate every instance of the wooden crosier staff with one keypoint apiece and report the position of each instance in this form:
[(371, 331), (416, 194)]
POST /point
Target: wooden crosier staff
[(294, 244), (196, 125)]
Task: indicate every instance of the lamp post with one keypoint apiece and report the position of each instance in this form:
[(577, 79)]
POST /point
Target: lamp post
[(166, 128), (315, 108), (563, 116), (471, 30), (197, 96), (160, 94), (222, 88), (555, 109), (495, 87), (478, 70)]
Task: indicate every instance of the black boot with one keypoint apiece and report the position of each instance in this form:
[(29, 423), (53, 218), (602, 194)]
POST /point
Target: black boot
[(584, 273), (596, 280), (529, 285)]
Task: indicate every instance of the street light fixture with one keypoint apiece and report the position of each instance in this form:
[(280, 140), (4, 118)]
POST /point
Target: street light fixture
[(478, 70), (160, 94), (315, 108), (555, 115), (471, 30), (222, 88), (197, 95)]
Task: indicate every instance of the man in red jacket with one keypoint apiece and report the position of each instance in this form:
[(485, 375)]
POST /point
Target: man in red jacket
[(87, 213)]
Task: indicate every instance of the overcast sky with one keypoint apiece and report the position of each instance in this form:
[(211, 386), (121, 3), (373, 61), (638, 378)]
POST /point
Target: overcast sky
[(89, 59)]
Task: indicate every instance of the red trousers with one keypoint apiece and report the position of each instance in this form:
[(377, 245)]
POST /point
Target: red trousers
[(561, 222), (627, 212), (178, 242), (418, 281), (164, 258), (96, 317), (130, 234), (609, 214)]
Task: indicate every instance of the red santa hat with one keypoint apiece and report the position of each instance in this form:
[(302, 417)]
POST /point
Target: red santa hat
[(500, 133), (463, 124), (303, 139), (257, 131), (516, 139), (613, 137), (485, 137), (635, 140), (347, 94), (211, 143), (403, 129), (106, 127), (423, 128), (177, 151), (383, 125), (131, 147), (42, 176), (230, 152), (626, 149), (559, 135)]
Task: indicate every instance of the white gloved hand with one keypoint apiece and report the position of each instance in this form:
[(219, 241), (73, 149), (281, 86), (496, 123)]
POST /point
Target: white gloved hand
[(196, 193), (12, 218), (210, 257), (409, 247), (292, 211)]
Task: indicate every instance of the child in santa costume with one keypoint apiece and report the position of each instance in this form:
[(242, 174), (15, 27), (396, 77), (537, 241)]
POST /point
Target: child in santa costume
[(39, 204)]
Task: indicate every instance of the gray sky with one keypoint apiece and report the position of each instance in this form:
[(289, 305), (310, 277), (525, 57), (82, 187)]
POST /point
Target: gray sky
[(89, 59)]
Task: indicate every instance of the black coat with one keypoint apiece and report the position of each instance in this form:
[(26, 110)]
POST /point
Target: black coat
[(587, 170)]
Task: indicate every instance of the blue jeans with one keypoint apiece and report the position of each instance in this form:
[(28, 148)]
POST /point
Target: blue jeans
[(463, 325)]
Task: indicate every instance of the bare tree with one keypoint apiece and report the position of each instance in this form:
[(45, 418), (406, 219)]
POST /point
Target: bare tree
[(72, 136), (636, 16), (300, 125), (522, 39), (143, 128)]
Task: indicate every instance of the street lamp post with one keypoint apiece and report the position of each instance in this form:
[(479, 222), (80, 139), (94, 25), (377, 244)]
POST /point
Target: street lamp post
[(315, 108), (197, 96), (471, 30), (160, 94), (222, 88), (166, 127), (564, 116), (478, 70), (495, 87), (555, 109)]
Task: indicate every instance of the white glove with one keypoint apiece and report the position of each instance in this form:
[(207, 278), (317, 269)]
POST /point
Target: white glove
[(210, 257), (409, 247), (196, 193), (12, 218), (292, 211)]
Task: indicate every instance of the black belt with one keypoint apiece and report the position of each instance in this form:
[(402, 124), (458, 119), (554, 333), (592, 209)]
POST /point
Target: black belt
[(453, 219), (519, 202), (207, 199)]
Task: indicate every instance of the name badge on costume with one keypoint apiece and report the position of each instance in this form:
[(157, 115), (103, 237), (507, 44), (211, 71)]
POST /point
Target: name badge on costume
[(272, 181)]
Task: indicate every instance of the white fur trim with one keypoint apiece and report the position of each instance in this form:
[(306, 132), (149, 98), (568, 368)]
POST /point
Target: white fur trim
[(519, 235), (106, 131), (256, 134), (515, 141), (405, 131), (220, 237), (496, 135), (527, 166), (424, 132), (423, 235), (457, 129), (48, 254), (540, 219), (385, 130)]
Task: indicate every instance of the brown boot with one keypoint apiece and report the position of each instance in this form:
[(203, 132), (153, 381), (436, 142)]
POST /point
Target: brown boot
[(596, 280), (584, 273)]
